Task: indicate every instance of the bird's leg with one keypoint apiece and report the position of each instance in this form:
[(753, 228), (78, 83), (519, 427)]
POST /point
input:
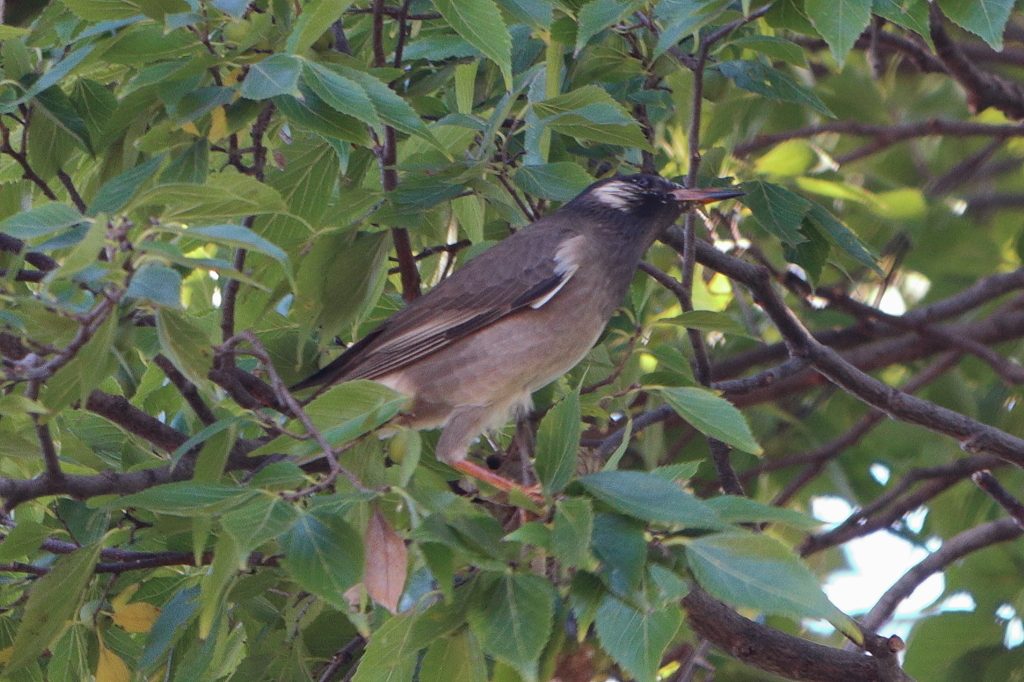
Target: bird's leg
[(463, 427), (497, 480)]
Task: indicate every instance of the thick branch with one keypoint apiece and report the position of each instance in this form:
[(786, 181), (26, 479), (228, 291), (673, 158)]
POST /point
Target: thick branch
[(773, 651)]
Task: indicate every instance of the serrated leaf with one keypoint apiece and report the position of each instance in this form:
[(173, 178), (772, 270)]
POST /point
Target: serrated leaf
[(560, 181), (185, 343), (840, 23), (316, 18), (512, 617), (649, 498), (984, 18), (762, 79), (342, 94), (158, 284), (387, 562), (480, 23), (713, 416), (21, 540), (310, 112), (558, 440), (55, 74), (454, 659), (41, 221), (224, 196), (117, 191), (635, 639), (240, 237), (912, 14), (843, 237), (52, 602), (708, 320), (273, 76), (60, 109), (324, 555), (682, 18), (776, 209), (188, 498), (735, 509), (258, 520), (758, 572), (596, 16), (391, 108), (573, 529)]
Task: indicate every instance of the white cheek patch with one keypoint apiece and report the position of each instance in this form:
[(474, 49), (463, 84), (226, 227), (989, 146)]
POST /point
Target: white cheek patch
[(617, 195)]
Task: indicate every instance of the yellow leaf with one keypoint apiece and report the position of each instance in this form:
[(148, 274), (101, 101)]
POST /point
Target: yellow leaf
[(136, 617), (122, 599), (5, 655), (218, 124), (111, 668), (190, 127), (232, 76)]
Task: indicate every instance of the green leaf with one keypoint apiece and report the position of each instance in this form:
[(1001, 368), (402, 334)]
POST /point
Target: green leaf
[(188, 498), (635, 639), (53, 600), (186, 343), (224, 196), (316, 18), (41, 221), (765, 80), (102, 10), (58, 72), (240, 237), (259, 520), (158, 284), (735, 509), (169, 625), (912, 14), (683, 18), (843, 237), (840, 23), (454, 659), (758, 572), (708, 320), (776, 209), (812, 254), (341, 277), (324, 555), (574, 526), (596, 16), (650, 498), (480, 23), (512, 616), (312, 113), (22, 540), (59, 108), (558, 439), (713, 416), (191, 166), (776, 48), (117, 191), (275, 75), (590, 113), (984, 18), (560, 181), (343, 94), (391, 108)]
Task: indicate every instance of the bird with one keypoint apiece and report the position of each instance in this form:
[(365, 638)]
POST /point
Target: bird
[(471, 351)]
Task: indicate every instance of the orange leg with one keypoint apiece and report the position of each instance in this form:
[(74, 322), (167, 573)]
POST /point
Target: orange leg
[(500, 482)]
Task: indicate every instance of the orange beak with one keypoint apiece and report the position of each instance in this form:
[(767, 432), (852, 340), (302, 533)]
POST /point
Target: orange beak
[(706, 196)]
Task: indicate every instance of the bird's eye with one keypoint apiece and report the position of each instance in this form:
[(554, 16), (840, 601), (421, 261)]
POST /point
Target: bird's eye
[(642, 182)]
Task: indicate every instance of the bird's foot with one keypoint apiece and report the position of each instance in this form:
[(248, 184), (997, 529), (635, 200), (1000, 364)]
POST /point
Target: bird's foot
[(532, 493)]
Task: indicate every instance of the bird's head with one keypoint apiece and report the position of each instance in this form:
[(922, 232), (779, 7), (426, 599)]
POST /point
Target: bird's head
[(646, 198)]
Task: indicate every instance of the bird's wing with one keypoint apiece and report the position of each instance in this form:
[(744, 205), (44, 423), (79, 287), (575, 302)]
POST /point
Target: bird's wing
[(524, 271)]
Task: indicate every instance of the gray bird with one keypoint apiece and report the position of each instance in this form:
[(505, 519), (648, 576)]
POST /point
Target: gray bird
[(521, 314)]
